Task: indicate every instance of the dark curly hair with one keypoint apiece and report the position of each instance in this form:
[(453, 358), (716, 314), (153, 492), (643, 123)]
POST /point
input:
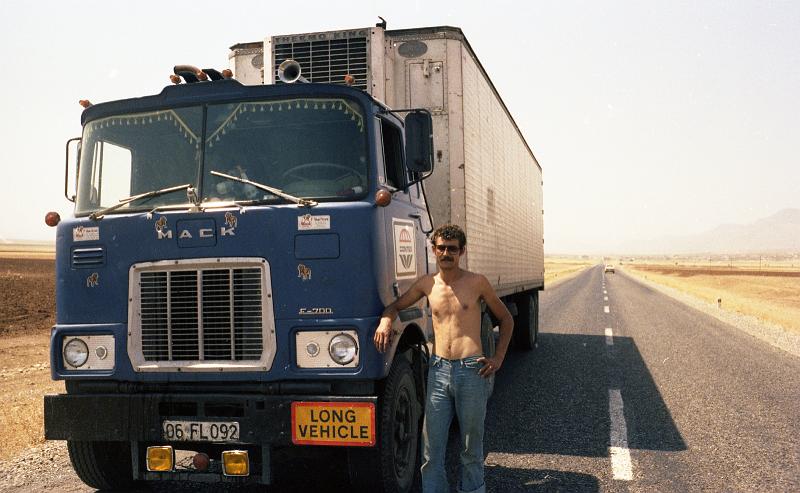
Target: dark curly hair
[(450, 232)]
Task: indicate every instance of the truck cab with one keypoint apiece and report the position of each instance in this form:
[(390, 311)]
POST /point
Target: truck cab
[(221, 281)]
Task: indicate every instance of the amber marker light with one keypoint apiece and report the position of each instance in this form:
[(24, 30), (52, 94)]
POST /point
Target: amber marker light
[(235, 463), (383, 197), (227, 73), (349, 80), (175, 79), (160, 459), (85, 103), (52, 219)]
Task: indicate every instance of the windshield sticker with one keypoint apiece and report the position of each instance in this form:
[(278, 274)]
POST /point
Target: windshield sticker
[(405, 251), (307, 222), (162, 230), (303, 272), (82, 233), (93, 280)]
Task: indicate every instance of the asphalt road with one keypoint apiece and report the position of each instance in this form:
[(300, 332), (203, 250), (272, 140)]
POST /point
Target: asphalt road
[(671, 400)]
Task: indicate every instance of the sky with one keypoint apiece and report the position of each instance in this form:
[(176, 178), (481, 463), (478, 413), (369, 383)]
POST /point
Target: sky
[(649, 118)]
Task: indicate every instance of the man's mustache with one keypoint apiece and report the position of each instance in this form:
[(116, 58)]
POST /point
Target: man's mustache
[(446, 257)]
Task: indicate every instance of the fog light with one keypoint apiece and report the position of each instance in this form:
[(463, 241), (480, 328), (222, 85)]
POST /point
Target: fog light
[(235, 463), (101, 352), (312, 348), (160, 458)]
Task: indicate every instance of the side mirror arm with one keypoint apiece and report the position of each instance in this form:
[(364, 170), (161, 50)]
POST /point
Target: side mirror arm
[(66, 170)]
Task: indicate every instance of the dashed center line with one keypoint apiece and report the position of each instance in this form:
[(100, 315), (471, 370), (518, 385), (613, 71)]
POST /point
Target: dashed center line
[(618, 449), (605, 309), (609, 337), (605, 298)]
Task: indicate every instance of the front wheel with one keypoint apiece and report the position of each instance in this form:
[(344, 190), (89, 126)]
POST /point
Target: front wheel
[(393, 465), (102, 465)]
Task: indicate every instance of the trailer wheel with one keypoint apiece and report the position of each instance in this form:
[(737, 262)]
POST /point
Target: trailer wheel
[(393, 466), (526, 324), (488, 343), (102, 465)]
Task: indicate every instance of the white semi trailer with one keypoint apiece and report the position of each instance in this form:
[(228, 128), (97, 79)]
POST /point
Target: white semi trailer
[(486, 177)]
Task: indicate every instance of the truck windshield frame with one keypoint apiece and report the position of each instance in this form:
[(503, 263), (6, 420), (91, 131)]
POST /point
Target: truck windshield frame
[(311, 147)]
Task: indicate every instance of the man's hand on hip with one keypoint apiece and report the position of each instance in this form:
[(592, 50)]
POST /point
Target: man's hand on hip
[(490, 365)]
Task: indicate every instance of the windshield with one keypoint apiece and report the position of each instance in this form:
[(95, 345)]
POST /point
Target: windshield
[(127, 155), (307, 147)]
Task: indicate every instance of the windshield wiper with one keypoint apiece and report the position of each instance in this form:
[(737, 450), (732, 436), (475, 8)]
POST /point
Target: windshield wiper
[(274, 191), (123, 202)]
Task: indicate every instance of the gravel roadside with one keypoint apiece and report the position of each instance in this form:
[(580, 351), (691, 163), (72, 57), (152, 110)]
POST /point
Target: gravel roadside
[(45, 468)]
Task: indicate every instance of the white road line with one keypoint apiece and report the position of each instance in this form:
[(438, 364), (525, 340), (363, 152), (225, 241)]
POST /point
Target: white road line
[(605, 292), (618, 449), (605, 298), (609, 337), (605, 309)]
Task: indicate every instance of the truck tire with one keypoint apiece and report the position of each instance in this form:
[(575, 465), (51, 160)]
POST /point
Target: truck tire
[(526, 323), (488, 343), (102, 465), (393, 465)]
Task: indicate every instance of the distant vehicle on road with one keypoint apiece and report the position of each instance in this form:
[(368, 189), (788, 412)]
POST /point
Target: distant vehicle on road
[(609, 268)]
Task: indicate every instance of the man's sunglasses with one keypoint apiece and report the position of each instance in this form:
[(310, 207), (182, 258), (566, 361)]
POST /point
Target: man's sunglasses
[(451, 249)]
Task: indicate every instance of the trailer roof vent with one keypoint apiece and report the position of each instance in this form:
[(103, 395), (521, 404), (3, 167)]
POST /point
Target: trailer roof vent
[(324, 57)]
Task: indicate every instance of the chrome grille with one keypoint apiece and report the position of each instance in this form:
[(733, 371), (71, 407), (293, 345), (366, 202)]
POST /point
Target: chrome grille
[(212, 314), (326, 61)]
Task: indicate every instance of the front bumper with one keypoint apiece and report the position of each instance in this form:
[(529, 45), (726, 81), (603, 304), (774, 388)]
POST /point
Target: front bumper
[(263, 419)]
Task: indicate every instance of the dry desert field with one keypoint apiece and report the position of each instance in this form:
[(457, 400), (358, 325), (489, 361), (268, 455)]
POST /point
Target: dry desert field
[(27, 311), (559, 269), (770, 292)]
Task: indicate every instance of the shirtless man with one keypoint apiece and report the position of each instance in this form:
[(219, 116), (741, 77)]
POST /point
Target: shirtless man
[(457, 377)]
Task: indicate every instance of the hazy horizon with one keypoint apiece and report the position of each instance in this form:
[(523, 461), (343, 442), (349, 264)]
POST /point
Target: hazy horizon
[(649, 119)]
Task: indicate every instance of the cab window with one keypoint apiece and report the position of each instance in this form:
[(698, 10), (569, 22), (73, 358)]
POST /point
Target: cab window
[(393, 155)]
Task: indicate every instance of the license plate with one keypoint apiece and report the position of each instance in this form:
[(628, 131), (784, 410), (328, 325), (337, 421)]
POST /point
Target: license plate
[(201, 431), (350, 424)]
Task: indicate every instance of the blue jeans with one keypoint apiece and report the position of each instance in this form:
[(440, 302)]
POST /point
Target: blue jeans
[(454, 387)]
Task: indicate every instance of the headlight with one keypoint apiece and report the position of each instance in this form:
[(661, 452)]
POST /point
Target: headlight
[(337, 348), (76, 352), (343, 349)]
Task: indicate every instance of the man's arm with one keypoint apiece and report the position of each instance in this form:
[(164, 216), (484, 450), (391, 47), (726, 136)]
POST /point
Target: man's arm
[(499, 310), (383, 334)]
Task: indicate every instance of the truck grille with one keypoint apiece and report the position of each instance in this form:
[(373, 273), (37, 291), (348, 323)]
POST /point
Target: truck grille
[(326, 61), (211, 313)]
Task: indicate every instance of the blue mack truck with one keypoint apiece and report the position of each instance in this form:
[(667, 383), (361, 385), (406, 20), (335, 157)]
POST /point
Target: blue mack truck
[(234, 242)]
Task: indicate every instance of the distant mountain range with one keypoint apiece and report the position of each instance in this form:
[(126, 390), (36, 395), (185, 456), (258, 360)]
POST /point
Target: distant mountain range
[(774, 234)]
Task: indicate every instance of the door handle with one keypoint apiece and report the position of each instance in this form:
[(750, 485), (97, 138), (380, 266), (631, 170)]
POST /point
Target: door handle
[(415, 215)]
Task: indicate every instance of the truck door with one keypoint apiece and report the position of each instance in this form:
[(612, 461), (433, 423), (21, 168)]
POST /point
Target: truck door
[(405, 239)]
